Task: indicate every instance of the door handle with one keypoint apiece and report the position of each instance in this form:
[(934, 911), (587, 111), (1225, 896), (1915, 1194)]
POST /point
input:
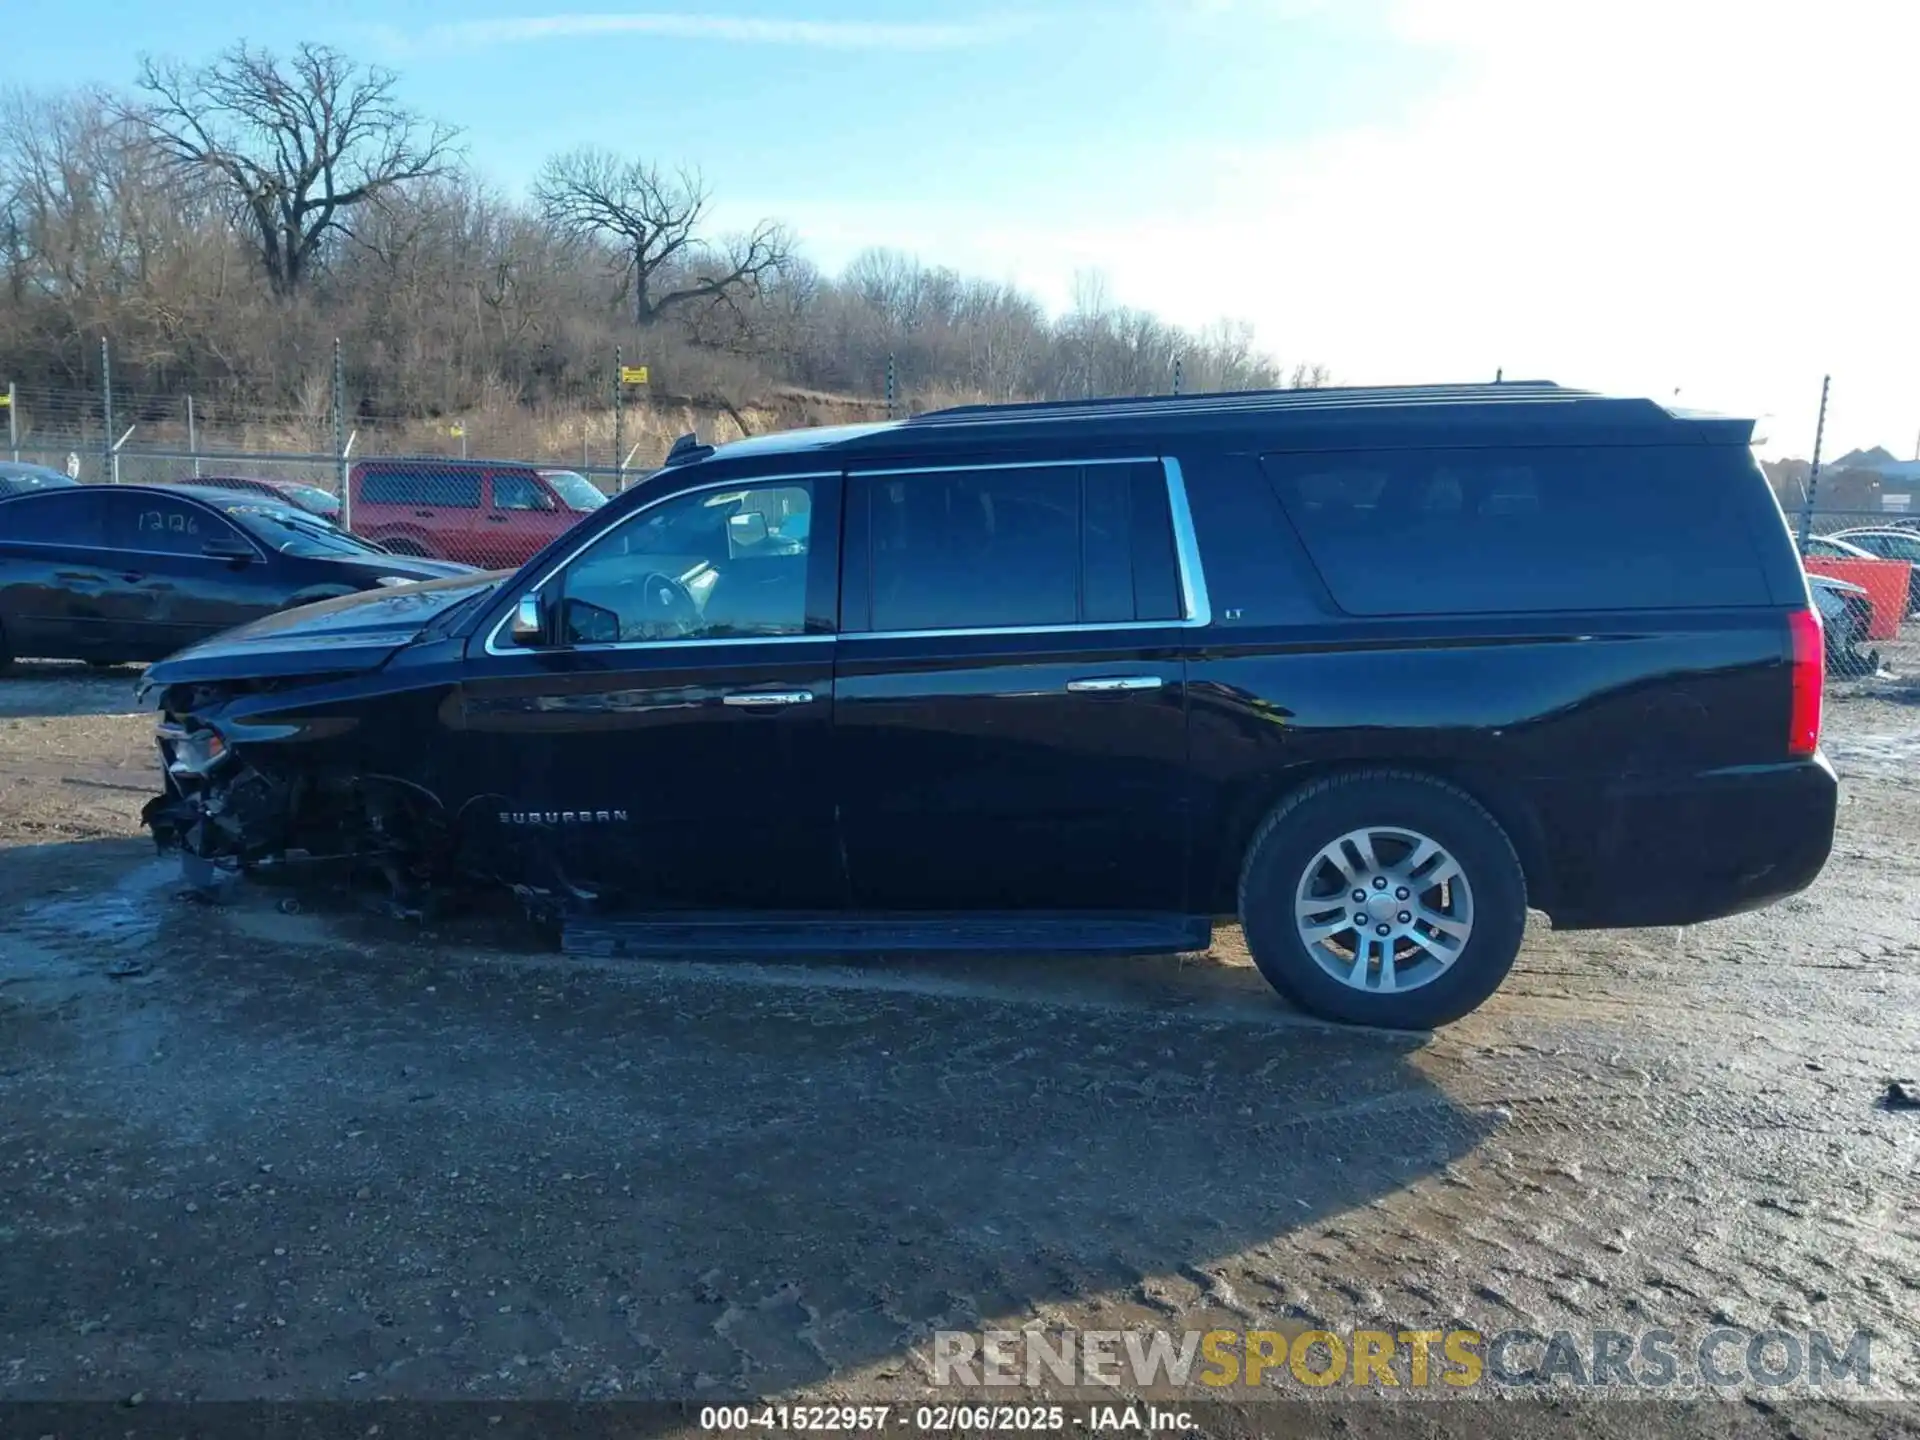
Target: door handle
[(133, 577), (1116, 682), (768, 697), (423, 514), (498, 519)]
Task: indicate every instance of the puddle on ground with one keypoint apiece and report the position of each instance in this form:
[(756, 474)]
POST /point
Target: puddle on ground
[(129, 913)]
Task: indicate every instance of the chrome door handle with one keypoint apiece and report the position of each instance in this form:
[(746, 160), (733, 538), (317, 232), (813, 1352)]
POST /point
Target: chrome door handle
[(768, 697), (1117, 682)]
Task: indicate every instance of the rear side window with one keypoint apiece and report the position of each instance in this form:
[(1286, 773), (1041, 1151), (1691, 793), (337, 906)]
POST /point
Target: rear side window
[(427, 486), (1450, 532), (54, 517), (1021, 546)]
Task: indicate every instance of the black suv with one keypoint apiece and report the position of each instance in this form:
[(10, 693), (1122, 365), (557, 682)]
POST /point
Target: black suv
[(1373, 670)]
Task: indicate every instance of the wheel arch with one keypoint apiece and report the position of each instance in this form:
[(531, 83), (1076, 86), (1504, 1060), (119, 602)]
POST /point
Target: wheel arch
[(1258, 797)]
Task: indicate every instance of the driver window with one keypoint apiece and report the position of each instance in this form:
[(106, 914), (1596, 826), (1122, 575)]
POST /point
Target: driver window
[(710, 565), (518, 492)]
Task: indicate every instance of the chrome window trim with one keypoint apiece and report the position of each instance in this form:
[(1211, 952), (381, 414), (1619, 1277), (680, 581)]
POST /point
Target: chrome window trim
[(768, 482), (1186, 546), (953, 468), (1091, 627), (1194, 602)]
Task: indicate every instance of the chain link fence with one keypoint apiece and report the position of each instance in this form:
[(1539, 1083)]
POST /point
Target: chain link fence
[(487, 490)]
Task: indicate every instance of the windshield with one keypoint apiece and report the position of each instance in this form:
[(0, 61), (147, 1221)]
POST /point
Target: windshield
[(1899, 547), (294, 532), (314, 498), (29, 477), (576, 491)]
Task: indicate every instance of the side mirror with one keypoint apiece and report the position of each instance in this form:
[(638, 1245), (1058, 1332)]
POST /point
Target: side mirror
[(528, 627), (748, 528), (226, 547)]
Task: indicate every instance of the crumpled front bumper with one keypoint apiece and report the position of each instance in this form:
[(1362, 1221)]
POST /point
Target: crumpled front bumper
[(215, 805)]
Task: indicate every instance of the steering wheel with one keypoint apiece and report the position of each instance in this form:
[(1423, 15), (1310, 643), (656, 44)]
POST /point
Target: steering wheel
[(666, 602)]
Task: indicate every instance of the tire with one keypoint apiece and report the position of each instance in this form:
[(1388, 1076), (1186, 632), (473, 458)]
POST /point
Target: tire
[(6, 655), (1445, 974)]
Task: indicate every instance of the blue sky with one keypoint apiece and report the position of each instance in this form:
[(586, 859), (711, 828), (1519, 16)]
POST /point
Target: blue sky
[(1697, 196)]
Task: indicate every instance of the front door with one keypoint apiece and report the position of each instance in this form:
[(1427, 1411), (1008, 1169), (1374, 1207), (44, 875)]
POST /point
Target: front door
[(519, 518), (665, 745), (1009, 700)]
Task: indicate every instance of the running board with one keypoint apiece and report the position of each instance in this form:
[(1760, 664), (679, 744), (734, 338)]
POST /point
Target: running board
[(886, 934)]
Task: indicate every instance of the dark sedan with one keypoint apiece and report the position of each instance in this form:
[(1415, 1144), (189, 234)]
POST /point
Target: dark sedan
[(18, 476), (114, 573)]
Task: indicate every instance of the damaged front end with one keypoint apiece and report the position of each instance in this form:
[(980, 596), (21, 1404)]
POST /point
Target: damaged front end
[(235, 804)]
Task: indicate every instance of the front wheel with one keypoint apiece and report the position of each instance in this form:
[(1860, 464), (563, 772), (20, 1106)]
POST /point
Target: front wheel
[(1383, 898)]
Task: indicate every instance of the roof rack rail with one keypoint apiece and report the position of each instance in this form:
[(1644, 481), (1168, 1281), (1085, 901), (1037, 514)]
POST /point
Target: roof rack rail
[(1240, 401)]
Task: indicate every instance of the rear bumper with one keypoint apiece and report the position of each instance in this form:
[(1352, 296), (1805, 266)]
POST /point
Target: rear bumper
[(1681, 850)]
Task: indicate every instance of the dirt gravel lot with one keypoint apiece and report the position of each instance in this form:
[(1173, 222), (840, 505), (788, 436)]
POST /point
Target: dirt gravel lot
[(299, 1152)]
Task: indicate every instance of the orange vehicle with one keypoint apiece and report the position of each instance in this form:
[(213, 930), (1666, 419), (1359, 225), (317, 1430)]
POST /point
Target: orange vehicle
[(1888, 583)]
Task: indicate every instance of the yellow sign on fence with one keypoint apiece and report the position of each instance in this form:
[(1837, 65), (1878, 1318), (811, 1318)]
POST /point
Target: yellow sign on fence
[(456, 429), (5, 401), (633, 374)]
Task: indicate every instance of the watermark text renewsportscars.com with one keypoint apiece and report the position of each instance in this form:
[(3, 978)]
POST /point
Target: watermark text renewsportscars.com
[(1439, 1360)]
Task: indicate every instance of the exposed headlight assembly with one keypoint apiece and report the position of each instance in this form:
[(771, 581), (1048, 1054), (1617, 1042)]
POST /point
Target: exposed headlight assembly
[(190, 752)]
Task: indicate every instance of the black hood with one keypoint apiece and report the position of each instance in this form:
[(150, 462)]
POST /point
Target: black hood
[(353, 633)]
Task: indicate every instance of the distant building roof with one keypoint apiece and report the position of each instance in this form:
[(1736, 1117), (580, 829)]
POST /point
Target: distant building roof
[(1874, 459)]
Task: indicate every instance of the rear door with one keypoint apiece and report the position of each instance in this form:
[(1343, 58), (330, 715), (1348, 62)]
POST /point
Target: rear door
[(419, 507), (55, 573), (1009, 697)]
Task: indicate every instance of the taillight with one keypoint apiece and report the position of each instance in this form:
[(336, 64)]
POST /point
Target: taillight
[(1809, 678)]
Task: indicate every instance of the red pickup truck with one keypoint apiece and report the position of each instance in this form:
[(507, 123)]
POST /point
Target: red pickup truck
[(490, 513)]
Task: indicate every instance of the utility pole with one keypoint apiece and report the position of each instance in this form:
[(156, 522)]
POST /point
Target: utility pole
[(1813, 477), (892, 393), (193, 439), (13, 420)]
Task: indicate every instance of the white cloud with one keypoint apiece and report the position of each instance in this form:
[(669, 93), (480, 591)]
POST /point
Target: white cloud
[(1641, 196), (818, 34)]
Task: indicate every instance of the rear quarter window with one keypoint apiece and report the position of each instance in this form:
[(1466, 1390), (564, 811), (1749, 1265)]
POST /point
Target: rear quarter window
[(426, 485), (1256, 572), (1449, 532)]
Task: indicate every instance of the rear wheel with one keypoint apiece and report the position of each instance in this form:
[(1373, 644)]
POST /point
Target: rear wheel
[(1383, 898)]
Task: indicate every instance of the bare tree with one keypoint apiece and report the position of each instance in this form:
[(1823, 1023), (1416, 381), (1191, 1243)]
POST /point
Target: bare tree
[(296, 146), (652, 220)]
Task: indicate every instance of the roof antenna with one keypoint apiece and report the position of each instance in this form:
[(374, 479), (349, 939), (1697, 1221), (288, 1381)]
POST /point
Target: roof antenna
[(1497, 374)]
